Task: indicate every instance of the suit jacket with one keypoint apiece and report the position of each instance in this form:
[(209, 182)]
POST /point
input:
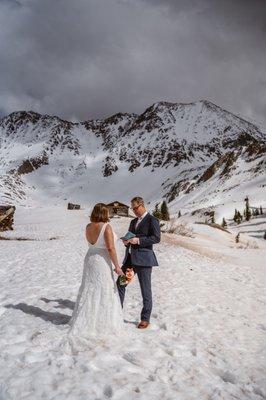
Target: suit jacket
[(148, 231)]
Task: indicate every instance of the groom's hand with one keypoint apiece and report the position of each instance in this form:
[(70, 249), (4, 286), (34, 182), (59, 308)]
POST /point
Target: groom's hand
[(134, 240), (126, 242)]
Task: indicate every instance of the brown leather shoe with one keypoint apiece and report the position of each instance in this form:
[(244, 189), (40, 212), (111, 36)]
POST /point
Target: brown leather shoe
[(143, 324)]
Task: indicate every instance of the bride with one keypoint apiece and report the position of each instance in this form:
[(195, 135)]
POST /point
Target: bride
[(98, 309)]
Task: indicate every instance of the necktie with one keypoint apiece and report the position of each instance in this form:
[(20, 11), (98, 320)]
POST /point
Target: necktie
[(138, 221)]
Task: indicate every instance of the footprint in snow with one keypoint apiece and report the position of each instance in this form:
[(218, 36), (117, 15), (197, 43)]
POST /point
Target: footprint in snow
[(131, 358), (108, 391), (226, 376)]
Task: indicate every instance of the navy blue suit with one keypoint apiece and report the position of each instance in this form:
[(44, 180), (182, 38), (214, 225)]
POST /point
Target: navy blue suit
[(142, 259)]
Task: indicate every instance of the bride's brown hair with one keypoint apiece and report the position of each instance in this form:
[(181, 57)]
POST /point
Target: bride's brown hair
[(100, 213)]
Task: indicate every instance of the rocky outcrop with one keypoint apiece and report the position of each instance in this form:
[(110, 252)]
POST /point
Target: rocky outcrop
[(31, 164), (6, 217), (110, 166)]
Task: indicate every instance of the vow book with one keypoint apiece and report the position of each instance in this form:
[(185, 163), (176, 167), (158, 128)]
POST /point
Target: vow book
[(128, 235)]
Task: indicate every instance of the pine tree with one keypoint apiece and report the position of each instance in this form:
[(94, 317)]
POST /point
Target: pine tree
[(157, 213), (238, 217), (164, 212), (248, 213), (213, 218), (235, 216), (264, 236), (224, 224), (261, 212), (237, 237), (179, 214)]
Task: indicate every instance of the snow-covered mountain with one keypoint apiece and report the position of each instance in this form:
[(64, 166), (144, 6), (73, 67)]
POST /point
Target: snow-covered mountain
[(194, 155)]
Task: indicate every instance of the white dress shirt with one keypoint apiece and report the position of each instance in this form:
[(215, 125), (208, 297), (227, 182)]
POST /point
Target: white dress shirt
[(138, 221)]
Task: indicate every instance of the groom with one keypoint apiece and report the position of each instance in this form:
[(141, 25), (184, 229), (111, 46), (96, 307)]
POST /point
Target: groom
[(140, 255)]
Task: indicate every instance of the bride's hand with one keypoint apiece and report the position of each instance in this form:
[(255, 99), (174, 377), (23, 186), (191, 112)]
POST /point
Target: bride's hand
[(118, 271)]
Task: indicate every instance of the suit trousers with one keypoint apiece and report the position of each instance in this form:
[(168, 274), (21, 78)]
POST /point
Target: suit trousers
[(144, 277)]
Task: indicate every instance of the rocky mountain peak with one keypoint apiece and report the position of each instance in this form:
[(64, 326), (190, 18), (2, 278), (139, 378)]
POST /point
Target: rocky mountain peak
[(184, 143)]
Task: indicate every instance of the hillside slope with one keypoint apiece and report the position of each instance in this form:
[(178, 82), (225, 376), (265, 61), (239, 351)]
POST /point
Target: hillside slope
[(193, 155)]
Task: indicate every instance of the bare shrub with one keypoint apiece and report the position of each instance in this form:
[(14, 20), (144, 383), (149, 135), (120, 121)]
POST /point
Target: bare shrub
[(177, 227), (247, 244)]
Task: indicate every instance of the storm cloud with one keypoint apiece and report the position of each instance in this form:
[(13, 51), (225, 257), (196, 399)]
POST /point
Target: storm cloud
[(87, 59)]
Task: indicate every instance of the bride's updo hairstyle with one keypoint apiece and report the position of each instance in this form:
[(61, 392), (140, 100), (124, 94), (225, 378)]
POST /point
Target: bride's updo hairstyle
[(100, 213)]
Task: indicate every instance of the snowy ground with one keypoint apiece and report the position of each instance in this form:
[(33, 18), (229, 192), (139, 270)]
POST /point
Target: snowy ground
[(206, 341), (255, 227)]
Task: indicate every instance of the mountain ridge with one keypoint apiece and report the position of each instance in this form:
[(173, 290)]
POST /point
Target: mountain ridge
[(202, 101), (179, 141)]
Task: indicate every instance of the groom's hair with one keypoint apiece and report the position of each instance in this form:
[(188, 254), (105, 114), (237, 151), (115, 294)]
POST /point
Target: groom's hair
[(138, 200)]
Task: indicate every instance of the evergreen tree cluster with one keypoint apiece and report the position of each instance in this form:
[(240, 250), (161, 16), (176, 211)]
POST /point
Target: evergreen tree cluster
[(237, 217), (257, 211), (161, 211), (247, 213)]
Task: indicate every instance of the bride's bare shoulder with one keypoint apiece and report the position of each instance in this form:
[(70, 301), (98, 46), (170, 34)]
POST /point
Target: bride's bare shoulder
[(108, 229)]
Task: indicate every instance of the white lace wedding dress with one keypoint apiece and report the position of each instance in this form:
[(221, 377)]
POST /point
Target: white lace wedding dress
[(97, 309)]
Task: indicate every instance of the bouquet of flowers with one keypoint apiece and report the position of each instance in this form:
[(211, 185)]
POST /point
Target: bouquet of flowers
[(127, 278)]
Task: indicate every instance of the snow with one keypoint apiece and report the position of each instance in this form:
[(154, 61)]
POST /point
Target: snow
[(255, 227), (207, 334), (77, 155), (224, 196)]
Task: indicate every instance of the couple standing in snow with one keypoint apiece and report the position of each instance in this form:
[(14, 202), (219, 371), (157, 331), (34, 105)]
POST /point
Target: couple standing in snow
[(98, 308)]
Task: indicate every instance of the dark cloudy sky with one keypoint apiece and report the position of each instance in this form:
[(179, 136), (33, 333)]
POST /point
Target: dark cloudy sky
[(83, 59)]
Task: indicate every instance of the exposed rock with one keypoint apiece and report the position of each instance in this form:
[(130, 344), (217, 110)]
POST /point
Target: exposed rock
[(31, 164), (195, 139), (110, 166), (6, 217)]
